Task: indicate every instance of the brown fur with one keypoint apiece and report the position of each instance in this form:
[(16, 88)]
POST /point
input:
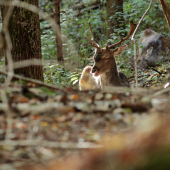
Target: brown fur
[(104, 61), (105, 65), (147, 33), (154, 47)]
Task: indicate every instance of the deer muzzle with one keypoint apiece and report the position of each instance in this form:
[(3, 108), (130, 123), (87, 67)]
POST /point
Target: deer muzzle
[(95, 70)]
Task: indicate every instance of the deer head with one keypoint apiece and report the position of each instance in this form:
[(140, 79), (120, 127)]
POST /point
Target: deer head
[(104, 57)]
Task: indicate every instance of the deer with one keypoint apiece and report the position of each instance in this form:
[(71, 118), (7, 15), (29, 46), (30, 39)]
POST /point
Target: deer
[(105, 68), (155, 47)]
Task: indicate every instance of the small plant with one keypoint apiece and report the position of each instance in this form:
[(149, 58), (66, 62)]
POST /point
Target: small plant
[(56, 74)]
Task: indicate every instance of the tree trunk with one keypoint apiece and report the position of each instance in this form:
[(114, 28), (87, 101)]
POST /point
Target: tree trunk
[(58, 36), (115, 17), (24, 29), (166, 9)]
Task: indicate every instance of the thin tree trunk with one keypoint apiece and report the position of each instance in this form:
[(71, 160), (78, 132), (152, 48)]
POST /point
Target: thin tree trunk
[(166, 9), (58, 36), (115, 17), (24, 29)]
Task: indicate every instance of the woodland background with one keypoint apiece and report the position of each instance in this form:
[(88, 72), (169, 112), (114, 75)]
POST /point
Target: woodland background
[(51, 124), (108, 21), (74, 26)]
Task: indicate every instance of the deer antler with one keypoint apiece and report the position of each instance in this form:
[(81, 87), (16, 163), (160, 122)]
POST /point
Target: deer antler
[(92, 38), (132, 29)]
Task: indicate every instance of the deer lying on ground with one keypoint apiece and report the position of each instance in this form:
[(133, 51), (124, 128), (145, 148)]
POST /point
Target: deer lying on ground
[(104, 62), (155, 46)]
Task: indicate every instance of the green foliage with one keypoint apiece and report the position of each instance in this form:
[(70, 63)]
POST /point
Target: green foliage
[(47, 6), (57, 75), (154, 19), (48, 40), (75, 77), (46, 90), (74, 27)]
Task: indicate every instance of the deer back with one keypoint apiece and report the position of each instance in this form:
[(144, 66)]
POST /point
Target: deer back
[(154, 48)]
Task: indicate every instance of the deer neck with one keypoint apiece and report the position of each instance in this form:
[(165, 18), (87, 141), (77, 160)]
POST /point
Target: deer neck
[(111, 77)]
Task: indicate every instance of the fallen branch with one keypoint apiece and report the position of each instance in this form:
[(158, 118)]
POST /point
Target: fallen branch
[(31, 80), (160, 72), (125, 90), (161, 92), (6, 108), (141, 20), (111, 89), (57, 145)]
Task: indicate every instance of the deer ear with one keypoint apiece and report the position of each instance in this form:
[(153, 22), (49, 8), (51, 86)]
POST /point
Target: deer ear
[(119, 50)]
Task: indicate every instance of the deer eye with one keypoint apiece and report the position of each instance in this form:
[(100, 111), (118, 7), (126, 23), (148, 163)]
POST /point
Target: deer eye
[(107, 58)]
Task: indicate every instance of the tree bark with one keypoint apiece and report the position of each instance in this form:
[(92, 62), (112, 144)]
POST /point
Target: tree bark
[(58, 36), (115, 17), (24, 29), (166, 9)]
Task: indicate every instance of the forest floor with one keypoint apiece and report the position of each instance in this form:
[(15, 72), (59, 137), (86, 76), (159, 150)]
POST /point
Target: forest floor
[(45, 127)]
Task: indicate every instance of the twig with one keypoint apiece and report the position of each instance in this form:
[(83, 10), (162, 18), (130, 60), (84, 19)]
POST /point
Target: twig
[(141, 20), (135, 58), (26, 63), (59, 145), (161, 92), (7, 110), (10, 68), (8, 44), (133, 39), (126, 90), (32, 80), (156, 70)]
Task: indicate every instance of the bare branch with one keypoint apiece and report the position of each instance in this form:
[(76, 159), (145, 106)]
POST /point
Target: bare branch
[(31, 80), (27, 63), (161, 92), (141, 20), (135, 58), (63, 145), (8, 44), (133, 39), (7, 110)]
